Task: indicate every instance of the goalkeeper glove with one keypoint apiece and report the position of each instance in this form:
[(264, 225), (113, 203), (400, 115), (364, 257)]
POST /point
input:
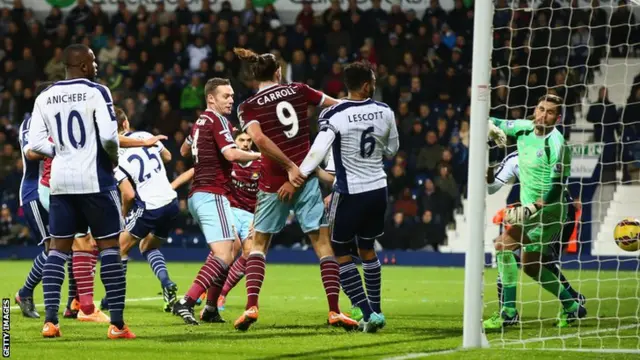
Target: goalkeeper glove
[(519, 214), (496, 134)]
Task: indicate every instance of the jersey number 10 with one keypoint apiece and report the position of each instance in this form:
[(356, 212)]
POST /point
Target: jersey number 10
[(73, 115)]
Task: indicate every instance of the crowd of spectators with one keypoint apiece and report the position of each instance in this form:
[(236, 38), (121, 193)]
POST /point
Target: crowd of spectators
[(155, 62)]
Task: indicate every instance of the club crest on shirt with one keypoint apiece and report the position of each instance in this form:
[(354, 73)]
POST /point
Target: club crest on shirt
[(255, 176), (539, 153), (510, 124), (233, 173)]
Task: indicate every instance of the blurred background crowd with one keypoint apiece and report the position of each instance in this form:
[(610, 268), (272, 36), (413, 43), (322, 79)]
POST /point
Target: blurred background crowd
[(156, 62)]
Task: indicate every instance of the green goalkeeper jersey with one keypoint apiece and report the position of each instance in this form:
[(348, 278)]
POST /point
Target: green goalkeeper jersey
[(542, 160)]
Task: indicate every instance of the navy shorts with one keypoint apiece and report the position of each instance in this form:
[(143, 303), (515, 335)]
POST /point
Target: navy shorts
[(38, 220), (141, 222), (356, 218), (70, 214)]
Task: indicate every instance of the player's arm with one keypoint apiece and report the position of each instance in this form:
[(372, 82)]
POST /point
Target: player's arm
[(319, 149), (105, 120), (182, 179), (128, 195), (185, 149), (511, 127), (129, 142), (228, 148), (127, 192), (393, 141), (505, 172), (39, 142), (328, 174)]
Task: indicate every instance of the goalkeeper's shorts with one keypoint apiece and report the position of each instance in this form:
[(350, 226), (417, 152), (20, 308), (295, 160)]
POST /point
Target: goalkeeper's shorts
[(545, 228)]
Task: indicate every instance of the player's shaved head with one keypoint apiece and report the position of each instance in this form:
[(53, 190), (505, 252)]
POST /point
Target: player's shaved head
[(73, 53), (79, 62)]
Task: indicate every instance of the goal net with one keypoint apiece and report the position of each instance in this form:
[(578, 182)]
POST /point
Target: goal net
[(586, 52)]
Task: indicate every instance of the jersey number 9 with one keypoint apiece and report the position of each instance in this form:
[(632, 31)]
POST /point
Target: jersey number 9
[(287, 116)]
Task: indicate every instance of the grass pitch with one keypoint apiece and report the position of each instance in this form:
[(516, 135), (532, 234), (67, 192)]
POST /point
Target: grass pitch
[(423, 307)]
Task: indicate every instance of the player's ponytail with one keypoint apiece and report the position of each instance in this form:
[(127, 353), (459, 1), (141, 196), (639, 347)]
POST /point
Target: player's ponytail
[(262, 67), (246, 55)]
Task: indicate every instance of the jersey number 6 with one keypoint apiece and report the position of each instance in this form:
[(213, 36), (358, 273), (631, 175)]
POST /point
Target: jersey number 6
[(365, 139)]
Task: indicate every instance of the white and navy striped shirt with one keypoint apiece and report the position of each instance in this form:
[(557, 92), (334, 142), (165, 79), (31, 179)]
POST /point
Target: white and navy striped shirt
[(506, 171), (78, 114), (145, 169), (360, 133)]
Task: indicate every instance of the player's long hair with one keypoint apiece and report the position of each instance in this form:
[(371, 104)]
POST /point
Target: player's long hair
[(263, 67)]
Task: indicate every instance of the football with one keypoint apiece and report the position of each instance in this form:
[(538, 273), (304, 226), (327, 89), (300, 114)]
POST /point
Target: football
[(626, 234)]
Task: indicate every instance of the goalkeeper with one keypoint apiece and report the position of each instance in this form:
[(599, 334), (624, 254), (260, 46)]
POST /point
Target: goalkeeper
[(507, 171), (544, 164)]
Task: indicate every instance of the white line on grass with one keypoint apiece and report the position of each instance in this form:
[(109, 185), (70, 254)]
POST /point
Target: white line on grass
[(421, 355), (535, 340)]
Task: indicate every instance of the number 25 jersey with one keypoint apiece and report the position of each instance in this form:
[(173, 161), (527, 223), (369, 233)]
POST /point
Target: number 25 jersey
[(281, 111)]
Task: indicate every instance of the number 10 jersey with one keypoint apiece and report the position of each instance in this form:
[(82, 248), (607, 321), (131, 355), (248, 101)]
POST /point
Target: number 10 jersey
[(281, 111)]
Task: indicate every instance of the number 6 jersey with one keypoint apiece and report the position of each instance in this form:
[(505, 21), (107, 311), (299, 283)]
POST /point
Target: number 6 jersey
[(145, 169), (359, 133), (281, 111)]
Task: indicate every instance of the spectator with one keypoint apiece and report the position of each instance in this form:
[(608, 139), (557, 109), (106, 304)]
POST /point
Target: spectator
[(406, 204), (192, 97), (431, 232), (11, 232), (430, 155), (447, 183), (398, 181), (397, 233), (430, 198), (55, 68)]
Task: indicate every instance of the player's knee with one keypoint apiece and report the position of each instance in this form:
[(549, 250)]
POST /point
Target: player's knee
[(341, 249), (108, 243), (62, 245), (532, 269), (367, 253)]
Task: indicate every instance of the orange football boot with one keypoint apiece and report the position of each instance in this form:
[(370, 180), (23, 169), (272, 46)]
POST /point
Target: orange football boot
[(124, 333), (50, 330), (97, 316), (342, 320), (247, 318)]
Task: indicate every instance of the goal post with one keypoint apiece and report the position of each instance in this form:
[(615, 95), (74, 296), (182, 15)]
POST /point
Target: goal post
[(522, 50), (473, 335)]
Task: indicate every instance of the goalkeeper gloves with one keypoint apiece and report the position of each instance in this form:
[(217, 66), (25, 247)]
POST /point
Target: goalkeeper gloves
[(519, 214), (496, 134)]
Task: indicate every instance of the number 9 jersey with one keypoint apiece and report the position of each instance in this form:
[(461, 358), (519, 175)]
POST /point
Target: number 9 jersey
[(281, 111)]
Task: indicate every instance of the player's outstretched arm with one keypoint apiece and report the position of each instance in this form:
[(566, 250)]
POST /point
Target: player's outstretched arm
[(237, 155), (510, 127), (183, 178), (128, 142), (318, 151), (270, 149)]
